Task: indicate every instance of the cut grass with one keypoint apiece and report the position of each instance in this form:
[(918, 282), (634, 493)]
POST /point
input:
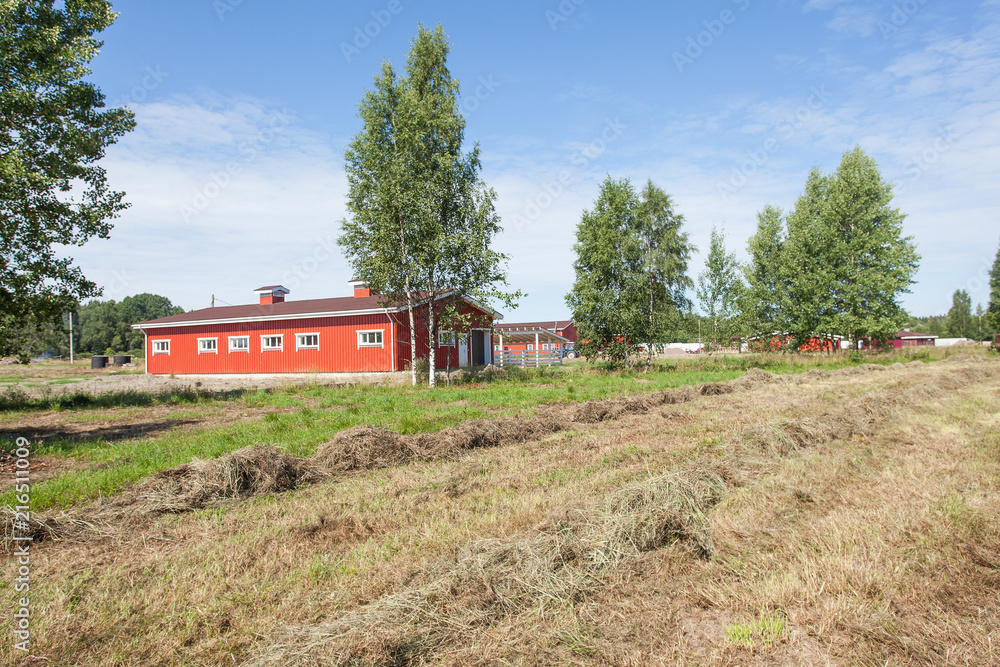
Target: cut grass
[(872, 536), (324, 411), (321, 413)]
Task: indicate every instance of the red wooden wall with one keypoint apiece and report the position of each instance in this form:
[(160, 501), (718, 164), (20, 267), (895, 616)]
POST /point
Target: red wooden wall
[(338, 351), (338, 347)]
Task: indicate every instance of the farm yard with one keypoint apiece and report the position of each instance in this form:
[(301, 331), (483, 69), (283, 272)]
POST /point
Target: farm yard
[(731, 511)]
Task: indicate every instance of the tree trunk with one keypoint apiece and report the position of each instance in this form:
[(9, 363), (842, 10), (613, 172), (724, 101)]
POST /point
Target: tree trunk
[(413, 334), (431, 336), (409, 305), (649, 350)]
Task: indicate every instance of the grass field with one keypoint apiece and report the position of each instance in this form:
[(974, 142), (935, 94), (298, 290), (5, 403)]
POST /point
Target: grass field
[(829, 513)]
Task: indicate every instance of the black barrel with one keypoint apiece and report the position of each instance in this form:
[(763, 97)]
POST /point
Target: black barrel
[(98, 361), (122, 359)]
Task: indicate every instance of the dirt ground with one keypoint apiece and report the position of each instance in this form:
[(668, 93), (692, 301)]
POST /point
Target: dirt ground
[(38, 381)]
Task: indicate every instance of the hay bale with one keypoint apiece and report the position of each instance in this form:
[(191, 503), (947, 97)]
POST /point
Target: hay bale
[(650, 515), (478, 433), (753, 378), (363, 448), (256, 470), (245, 472), (715, 389)]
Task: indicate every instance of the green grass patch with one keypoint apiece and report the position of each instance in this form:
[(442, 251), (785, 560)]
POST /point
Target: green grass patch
[(319, 412)]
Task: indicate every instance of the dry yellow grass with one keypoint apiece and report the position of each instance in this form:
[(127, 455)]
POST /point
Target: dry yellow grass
[(838, 518)]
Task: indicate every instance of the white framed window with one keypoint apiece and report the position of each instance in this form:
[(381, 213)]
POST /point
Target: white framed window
[(272, 343), (545, 347), (239, 343), (307, 341), (208, 346), (161, 346), (446, 338), (370, 338), (531, 347)]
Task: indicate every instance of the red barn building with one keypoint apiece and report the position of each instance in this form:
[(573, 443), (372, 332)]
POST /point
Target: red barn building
[(340, 335), (911, 339), (519, 336)]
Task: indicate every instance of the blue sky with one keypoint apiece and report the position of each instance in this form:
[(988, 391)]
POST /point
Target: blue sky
[(244, 109)]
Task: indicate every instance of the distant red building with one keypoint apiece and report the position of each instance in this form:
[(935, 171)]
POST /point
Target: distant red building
[(338, 335), (911, 339), (778, 342), (534, 336)]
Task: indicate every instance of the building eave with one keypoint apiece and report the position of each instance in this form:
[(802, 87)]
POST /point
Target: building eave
[(265, 318)]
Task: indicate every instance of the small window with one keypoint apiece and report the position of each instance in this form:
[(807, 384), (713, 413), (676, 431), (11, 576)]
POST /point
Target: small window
[(309, 341), (271, 343), (531, 347), (370, 338), (161, 347), (208, 345), (239, 343), (446, 338)]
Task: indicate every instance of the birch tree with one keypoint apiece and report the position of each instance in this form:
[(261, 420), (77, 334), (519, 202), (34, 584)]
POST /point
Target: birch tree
[(762, 302), (422, 221), (665, 252), (631, 272), (719, 287)]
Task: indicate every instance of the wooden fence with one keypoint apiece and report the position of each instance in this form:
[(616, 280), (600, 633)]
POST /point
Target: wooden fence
[(529, 358)]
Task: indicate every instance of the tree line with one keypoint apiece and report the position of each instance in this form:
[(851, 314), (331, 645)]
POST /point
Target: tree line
[(99, 327), (836, 264)]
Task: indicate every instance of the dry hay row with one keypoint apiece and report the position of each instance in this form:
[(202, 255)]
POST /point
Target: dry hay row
[(262, 469), (568, 555), (562, 560)]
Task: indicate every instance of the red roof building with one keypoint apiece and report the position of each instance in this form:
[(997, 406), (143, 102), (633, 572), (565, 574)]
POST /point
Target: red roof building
[(549, 335), (352, 334), (911, 339)]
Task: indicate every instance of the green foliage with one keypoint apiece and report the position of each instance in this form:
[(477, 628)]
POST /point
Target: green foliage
[(719, 289), (846, 259), (421, 219), (55, 130), (992, 317), (960, 323), (762, 302), (631, 272), (103, 325)]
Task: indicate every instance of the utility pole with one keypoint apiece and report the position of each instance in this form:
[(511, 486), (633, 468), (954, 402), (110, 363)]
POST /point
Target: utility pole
[(71, 337)]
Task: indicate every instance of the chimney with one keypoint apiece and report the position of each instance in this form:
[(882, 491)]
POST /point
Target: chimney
[(271, 294), (360, 288)]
